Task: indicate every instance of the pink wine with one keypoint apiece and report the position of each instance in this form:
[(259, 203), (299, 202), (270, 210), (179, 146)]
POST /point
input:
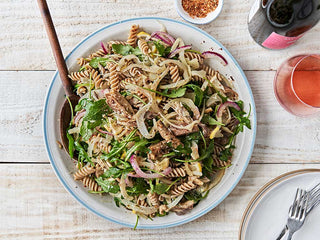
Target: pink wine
[(277, 24), (297, 85)]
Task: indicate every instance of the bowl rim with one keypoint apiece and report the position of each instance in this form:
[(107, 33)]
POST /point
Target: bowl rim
[(183, 221), (208, 19)]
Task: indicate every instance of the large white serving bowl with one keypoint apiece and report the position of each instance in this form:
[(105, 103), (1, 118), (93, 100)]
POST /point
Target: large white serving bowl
[(103, 205)]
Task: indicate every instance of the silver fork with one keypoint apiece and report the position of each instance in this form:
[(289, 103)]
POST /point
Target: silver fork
[(314, 200), (297, 212)]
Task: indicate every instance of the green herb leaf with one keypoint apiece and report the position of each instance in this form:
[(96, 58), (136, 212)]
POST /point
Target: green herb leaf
[(70, 143), (139, 187), (161, 188), (85, 131), (108, 185), (136, 147), (175, 93), (162, 50), (126, 49), (95, 110), (117, 201), (226, 153), (198, 94), (94, 62), (82, 153), (210, 120), (112, 172), (195, 195)]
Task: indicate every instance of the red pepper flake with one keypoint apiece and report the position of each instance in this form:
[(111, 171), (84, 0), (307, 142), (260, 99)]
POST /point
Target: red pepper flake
[(199, 8)]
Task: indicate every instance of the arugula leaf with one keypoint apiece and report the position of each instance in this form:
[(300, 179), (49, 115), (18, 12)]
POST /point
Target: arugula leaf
[(126, 49), (108, 185), (205, 155), (112, 172), (175, 93), (94, 62), (208, 163), (136, 147), (195, 195), (193, 136), (71, 143), (210, 120), (81, 104), (198, 94), (95, 110), (161, 188), (226, 153), (139, 187), (85, 131), (82, 153), (162, 50), (117, 201), (240, 104), (119, 146)]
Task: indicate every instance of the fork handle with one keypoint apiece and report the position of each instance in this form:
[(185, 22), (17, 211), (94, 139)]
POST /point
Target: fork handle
[(283, 232), (290, 235)]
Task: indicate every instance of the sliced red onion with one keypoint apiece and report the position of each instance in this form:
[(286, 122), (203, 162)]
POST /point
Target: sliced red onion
[(223, 106), (210, 54), (104, 48), (163, 36), (142, 174), (104, 132), (179, 49)]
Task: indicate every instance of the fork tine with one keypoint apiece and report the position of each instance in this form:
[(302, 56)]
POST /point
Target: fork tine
[(294, 204), (314, 196), (298, 203), (304, 205), (315, 188)]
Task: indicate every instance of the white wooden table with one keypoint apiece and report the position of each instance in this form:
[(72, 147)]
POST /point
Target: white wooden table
[(33, 203)]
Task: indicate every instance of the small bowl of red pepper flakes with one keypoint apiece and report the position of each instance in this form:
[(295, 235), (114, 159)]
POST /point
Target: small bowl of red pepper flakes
[(199, 11)]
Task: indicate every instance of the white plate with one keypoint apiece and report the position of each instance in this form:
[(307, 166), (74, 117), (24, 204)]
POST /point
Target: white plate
[(104, 205), (267, 212)]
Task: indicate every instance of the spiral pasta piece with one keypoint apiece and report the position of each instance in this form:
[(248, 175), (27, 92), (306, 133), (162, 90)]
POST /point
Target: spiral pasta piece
[(163, 209), (134, 71), (114, 78), (110, 43), (142, 44), (221, 164), (192, 55), (83, 172), (99, 53), (174, 73), (82, 61), (77, 76), (82, 90), (154, 199), (177, 172), (209, 70), (133, 35), (183, 188), (142, 201), (104, 163), (91, 184)]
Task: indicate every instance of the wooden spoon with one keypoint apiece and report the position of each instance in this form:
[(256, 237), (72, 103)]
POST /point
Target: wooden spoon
[(65, 113)]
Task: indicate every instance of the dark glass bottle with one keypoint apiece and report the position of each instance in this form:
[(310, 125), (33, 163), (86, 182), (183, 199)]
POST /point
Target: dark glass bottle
[(277, 24)]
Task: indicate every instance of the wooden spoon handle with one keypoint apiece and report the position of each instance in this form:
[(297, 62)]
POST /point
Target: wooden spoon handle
[(55, 46)]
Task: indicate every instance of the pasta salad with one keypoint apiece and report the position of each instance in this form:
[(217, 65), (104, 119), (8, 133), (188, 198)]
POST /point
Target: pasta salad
[(155, 125)]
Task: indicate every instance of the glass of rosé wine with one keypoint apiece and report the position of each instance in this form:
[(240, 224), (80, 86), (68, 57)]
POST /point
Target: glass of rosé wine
[(297, 85)]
